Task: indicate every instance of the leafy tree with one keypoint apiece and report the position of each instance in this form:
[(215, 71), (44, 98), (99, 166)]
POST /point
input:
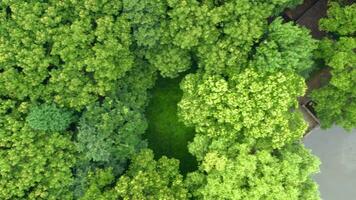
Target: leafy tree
[(146, 178), (286, 47), (261, 174), (96, 185), (152, 33), (220, 34), (111, 129), (147, 18), (235, 28), (340, 19), (110, 132), (49, 118), (133, 87), (169, 60), (336, 101), (247, 105), (99, 58), (68, 52), (33, 164), (150, 179)]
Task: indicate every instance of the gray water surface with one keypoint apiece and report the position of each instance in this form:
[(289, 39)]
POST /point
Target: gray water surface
[(336, 149)]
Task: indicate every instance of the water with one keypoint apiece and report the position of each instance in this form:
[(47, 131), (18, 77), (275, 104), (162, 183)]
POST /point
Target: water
[(336, 149)]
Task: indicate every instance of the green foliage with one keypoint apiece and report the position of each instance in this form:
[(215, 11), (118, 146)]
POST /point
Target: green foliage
[(146, 178), (68, 52), (33, 164), (97, 183), (110, 131), (248, 174), (235, 27), (166, 135), (150, 179), (219, 33), (340, 19), (335, 106), (170, 60), (336, 101), (286, 47), (132, 88), (99, 58), (249, 105), (145, 16), (49, 118)]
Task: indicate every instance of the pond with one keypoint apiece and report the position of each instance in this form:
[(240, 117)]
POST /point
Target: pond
[(336, 149)]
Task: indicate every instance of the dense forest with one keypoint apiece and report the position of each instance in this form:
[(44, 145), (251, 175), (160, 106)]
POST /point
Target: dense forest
[(166, 99)]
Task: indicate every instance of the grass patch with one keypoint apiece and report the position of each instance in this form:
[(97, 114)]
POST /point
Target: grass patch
[(165, 134)]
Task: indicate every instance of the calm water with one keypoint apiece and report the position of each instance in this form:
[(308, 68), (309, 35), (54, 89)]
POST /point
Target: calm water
[(336, 149)]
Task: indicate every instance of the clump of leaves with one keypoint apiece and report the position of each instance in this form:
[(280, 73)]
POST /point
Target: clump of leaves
[(248, 105), (146, 178), (151, 179), (234, 173), (110, 131), (286, 47), (49, 118), (34, 164), (336, 101), (341, 20)]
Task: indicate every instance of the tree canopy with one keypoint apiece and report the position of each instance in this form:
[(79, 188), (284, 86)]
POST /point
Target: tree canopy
[(66, 52), (285, 47), (49, 118), (146, 178), (34, 164), (77, 98), (249, 105), (262, 174)]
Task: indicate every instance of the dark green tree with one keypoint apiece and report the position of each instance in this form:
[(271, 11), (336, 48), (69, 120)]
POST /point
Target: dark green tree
[(110, 132), (49, 118), (336, 102), (286, 47)]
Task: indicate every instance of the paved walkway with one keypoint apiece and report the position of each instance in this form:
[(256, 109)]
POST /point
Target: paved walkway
[(336, 149)]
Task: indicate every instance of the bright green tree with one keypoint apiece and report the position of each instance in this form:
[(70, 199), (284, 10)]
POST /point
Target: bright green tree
[(262, 106), (150, 179), (146, 178), (245, 173), (67, 52), (340, 19), (33, 164), (96, 185), (219, 34)]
